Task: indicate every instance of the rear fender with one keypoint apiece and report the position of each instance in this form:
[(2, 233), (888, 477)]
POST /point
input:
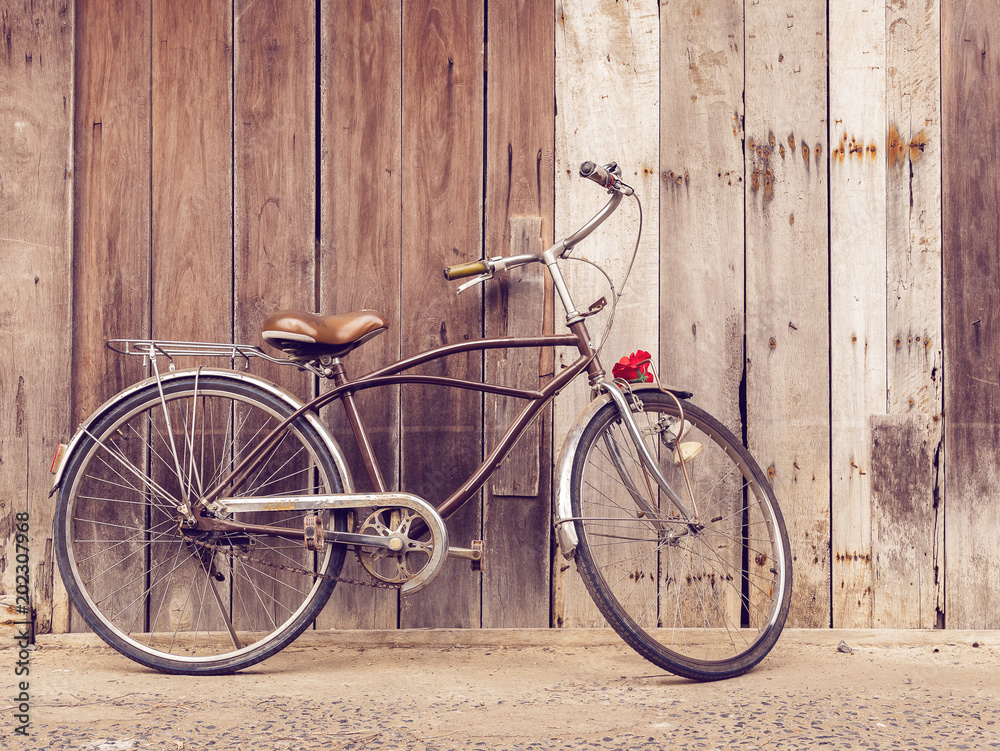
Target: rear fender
[(275, 390)]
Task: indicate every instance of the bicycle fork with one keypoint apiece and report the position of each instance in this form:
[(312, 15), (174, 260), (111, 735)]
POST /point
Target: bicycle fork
[(648, 465), (646, 506)]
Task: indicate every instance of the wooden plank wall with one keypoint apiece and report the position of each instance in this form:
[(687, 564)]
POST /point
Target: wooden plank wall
[(971, 186), (36, 200), (182, 169), (607, 95)]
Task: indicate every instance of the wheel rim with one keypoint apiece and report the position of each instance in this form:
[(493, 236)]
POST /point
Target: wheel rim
[(139, 577), (707, 598)]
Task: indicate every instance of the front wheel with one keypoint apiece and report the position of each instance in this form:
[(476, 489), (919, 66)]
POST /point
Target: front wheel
[(168, 597), (705, 600)]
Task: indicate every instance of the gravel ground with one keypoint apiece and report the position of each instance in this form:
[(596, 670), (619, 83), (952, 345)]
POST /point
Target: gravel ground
[(521, 690)]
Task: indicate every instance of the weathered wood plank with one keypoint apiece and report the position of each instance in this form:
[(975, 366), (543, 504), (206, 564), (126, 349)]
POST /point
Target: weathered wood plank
[(515, 307), (701, 203), (36, 167), (274, 160), (971, 222), (905, 453), (787, 335), (516, 513), (274, 210), (913, 313), (520, 109), (192, 242), (192, 251), (111, 256), (442, 162), (607, 108), (858, 292), (112, 201), (701, 213), (360, 232)]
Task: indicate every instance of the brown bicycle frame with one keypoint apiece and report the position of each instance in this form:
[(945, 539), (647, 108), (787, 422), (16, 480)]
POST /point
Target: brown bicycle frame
[(393, 375)]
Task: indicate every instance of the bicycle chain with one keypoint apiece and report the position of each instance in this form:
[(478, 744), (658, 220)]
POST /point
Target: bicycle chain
[(247, 557)]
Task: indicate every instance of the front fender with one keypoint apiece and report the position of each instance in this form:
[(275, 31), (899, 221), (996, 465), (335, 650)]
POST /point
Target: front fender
[(274, 389)]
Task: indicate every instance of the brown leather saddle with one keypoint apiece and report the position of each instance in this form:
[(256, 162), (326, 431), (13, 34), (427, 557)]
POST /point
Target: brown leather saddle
[(308, 336)]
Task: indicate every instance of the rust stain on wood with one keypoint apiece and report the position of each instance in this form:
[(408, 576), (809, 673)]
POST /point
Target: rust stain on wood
[(849, 557), (897, 146), (894, 147)]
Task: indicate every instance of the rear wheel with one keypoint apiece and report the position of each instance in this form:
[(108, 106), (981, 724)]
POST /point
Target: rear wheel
[(141, 580), (705, 601)]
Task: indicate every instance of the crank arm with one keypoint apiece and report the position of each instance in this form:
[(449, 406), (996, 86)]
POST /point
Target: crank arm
[(469, 554)]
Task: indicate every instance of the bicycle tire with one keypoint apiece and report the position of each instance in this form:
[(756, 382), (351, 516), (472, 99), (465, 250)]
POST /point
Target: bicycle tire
[(135, 577), (706, 603)]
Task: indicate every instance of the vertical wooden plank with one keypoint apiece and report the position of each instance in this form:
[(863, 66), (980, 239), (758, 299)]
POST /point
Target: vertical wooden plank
[(442, 153), (275, 170), (913, 318), (971, 187), (701, 213), (192, 242), (701, 203), (607, 108), (516, 511), (787, 334), (112, 200), (858, 292), (360, 241), (520, 108), (36, 152), (905, 451), (192, 252), (274, 180), (515, 307)]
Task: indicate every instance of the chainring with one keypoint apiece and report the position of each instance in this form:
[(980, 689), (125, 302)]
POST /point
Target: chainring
[(394, 566)]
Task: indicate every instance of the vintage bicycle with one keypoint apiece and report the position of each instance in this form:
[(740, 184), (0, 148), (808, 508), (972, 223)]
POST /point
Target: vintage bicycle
[(204, 514)]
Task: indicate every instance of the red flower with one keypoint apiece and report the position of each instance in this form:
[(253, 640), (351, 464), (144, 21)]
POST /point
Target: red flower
[(634, 368)]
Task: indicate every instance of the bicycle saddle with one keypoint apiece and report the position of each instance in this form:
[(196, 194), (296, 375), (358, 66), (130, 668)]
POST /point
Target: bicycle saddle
[(307, 336)]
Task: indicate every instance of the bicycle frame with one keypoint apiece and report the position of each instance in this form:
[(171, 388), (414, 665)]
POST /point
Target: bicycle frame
[(578, 337), (393, 375), (216, 499)]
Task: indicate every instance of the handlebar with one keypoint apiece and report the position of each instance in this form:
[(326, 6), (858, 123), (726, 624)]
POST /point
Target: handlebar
[(463, 270), (599, 175), (608, 176)]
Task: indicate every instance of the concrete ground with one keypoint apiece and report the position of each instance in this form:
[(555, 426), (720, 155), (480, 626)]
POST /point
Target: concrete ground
[(531, 689)]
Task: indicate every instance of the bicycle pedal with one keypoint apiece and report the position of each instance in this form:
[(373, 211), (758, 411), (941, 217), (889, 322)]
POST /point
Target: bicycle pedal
[(477, 561), (313, 531)]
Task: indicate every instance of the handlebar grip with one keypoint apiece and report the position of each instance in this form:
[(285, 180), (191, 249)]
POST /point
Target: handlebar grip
[(463, 270), (597, 173)]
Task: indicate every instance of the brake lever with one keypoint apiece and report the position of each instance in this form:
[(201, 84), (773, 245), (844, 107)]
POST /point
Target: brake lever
[(473, 282)]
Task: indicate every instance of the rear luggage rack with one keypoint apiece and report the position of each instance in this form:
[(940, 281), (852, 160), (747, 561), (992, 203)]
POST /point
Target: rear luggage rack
[(153, 348)]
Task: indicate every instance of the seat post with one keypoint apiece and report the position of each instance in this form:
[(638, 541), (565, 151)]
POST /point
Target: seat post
[(339, 375)]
